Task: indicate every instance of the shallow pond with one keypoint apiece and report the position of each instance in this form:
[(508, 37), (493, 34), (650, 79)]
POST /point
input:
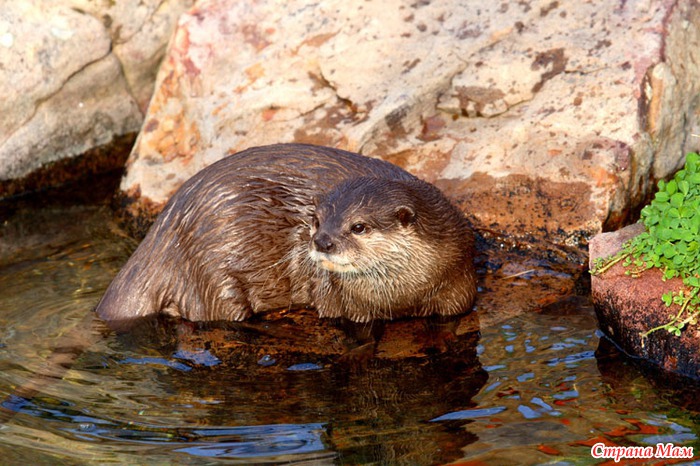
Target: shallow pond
[(527, 380)]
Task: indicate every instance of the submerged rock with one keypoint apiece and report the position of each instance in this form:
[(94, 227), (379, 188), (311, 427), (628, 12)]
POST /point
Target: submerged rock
[(628, 306)]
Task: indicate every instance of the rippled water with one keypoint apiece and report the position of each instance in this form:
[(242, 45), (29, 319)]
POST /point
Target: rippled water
[(536, 385)]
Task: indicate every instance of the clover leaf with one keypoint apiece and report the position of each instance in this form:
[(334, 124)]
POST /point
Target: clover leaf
[(670, 242)]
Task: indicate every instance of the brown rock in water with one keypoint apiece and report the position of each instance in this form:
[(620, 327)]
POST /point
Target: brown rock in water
[(290, 336), (627, 306)]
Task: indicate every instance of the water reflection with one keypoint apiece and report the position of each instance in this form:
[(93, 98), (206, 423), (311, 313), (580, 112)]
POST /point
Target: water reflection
[(272, 442), (376, 413)]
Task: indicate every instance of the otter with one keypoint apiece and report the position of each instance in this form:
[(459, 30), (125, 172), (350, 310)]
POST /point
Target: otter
[(293, 226)]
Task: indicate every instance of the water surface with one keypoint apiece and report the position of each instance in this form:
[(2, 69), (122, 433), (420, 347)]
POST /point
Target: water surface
[(528, 380)]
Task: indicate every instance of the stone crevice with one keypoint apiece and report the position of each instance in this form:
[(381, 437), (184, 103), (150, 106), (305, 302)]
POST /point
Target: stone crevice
[(324, 81), (127, 83), (42, 100), (117, 40)]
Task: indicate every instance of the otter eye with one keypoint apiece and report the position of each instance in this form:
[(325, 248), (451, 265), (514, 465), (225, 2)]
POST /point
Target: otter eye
[(359, 228)]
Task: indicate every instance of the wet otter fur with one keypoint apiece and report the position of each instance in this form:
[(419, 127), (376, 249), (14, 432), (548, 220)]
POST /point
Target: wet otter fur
[(290, 226)]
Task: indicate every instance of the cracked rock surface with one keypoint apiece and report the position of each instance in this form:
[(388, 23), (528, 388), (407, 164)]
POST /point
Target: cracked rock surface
[(541, 119), (75, 75)]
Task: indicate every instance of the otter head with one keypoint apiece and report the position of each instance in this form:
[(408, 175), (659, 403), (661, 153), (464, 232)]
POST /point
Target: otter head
[(384, 248), (363, 227)]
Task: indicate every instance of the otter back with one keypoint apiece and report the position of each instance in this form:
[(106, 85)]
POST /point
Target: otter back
[(238, 238)]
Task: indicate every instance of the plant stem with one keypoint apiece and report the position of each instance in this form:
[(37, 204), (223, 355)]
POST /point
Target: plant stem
[(692, 294), (608, 265)]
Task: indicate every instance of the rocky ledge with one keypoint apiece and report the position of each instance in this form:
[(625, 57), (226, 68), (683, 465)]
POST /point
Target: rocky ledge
[(628, 306), (542, 120)]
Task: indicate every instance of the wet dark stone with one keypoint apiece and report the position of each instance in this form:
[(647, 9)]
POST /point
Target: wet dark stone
[(79, 169)]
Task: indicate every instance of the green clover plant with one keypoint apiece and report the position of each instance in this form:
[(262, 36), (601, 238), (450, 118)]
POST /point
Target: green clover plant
[(670, 242)]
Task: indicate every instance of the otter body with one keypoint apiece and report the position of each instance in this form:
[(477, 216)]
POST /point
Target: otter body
[(289, 226)]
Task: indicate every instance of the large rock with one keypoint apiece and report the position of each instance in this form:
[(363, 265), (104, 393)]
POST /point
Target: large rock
[(73, 76), (541, 119), (628, 306), (139, 32)]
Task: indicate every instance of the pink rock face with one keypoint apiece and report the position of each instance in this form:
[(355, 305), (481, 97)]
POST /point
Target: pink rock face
[(540, 121), (627, 306)]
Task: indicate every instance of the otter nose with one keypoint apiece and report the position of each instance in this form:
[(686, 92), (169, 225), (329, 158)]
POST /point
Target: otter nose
[(324, 243)]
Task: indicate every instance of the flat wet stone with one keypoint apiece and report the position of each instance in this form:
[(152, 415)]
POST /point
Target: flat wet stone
[(291, 338)]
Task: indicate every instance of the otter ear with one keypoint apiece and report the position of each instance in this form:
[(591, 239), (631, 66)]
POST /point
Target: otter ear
[(406, 215)]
